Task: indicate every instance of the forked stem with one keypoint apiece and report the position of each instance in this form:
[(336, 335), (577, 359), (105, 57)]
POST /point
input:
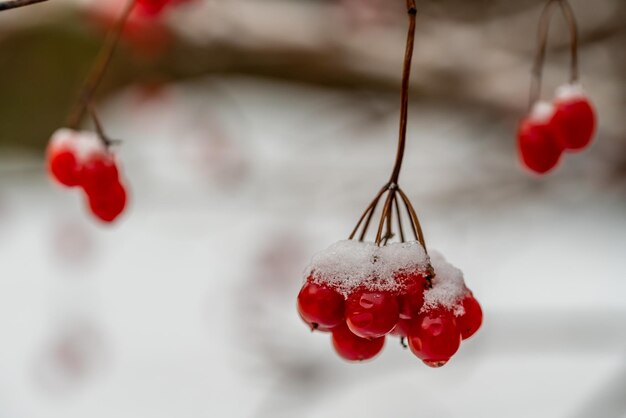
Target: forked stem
[(542, 42)]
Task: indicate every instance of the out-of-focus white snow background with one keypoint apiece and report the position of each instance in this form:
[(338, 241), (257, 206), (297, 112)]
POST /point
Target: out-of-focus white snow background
[(186, 306)]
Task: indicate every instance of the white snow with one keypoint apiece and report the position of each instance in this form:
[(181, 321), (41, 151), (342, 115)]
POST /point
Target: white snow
[(569, 91), (348, 264), (448, 286), (541, 112), (83, 143)]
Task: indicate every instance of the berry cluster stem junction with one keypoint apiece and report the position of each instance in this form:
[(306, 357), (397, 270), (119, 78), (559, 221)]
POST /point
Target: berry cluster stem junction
[(395, 195)]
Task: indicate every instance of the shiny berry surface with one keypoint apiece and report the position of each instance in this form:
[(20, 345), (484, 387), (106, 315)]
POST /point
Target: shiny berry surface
[(372, 314), (411, 297), (108, 206), (354, 348), (320, 306), (574, 123), (402, 328), (538, 148), (434, 337), (64, 167), (470, 321)]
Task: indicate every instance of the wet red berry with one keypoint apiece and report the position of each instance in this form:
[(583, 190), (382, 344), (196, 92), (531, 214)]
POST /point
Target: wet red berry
[(538, 148), (434, 337), (372, 314), (402, 328), (63, 166), (320, 306), (99, 174), (355, 348), (470, 321), (574, 123), (108, 206), (411, 297)]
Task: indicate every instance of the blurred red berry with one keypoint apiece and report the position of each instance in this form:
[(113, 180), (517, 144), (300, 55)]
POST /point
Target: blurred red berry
[(372, 314), (574, 122), (155, 7), (434, 337), (354, 348), (472, 318), (63, 166), (99, 174), (538, 147), (320, 306), (108, 206)]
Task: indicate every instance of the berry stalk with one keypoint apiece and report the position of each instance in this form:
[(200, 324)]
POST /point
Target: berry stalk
[(391, 206), (96, 74), (542, 40), (404, 95)]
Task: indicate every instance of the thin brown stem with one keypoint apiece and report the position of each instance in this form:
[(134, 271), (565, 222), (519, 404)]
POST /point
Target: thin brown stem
[(389, 218), (399, 217), (99, 128), (383, 218), (417, 227), (369, 212), (542, 42), (14, 4), (99, 67), (404, 96)]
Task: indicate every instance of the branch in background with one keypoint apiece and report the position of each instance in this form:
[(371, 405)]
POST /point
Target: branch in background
[(14, 4)]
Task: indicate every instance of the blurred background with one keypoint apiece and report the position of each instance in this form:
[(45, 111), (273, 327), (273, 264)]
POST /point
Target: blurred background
[(254, 134)]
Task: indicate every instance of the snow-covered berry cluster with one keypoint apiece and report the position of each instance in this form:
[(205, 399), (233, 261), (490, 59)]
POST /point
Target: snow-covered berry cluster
[(566, 124), (361, 292), (80, 159)]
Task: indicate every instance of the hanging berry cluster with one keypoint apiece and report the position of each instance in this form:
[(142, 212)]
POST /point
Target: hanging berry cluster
[(569, 122), (361, 292), (83, 159)]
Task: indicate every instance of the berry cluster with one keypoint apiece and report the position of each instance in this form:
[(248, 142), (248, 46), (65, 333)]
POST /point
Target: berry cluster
[(360, 292), (81, 159), (567, 124)]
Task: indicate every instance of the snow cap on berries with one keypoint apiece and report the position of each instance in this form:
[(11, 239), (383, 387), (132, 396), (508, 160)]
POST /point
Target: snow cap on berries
[(541, 112), (83, 143), (569, 91), (448, 287), (349, 264)]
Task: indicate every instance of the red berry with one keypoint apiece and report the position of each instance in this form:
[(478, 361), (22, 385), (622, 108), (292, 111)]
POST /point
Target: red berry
[(434, 337), (470, 321), (108, 206), (574, 123), (411, 298), (355, 348), (402, 328), (320, 306), (372, 314), (63, 166), (99, 174), (538, 147)]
